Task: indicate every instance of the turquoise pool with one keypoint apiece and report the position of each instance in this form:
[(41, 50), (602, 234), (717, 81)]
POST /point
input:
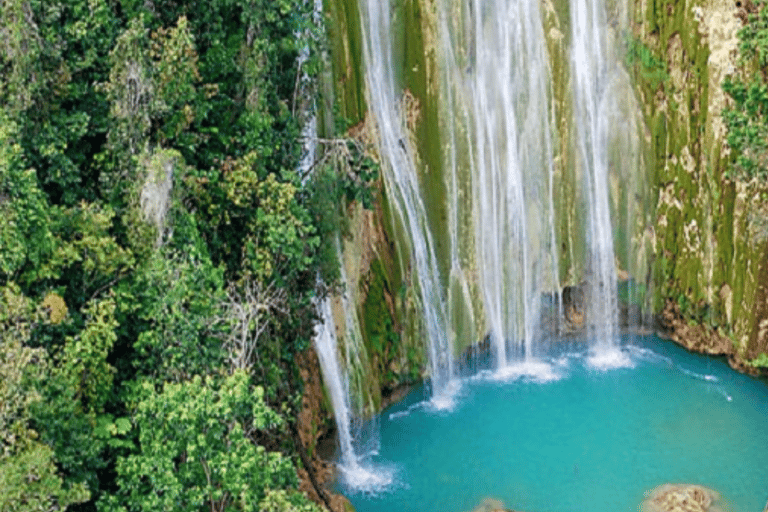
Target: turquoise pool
[(566, 437)]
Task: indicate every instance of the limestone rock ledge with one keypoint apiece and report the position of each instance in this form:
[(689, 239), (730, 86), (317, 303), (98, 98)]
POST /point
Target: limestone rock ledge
[(701, 339)]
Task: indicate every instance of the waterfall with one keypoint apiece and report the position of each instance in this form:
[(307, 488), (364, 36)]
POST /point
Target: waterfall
[(500, 93), (593, 103), (403, 190), (354, 470), (501, 157), (356, 359), (335, 383)]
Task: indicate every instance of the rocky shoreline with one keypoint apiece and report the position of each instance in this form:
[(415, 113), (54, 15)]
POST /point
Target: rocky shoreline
[(671, 325)]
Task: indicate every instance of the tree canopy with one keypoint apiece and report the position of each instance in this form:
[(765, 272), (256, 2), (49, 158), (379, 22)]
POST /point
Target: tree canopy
[(159, 253)]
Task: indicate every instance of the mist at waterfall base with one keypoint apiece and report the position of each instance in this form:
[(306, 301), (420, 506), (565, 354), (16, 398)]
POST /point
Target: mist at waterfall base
[(565, 436)]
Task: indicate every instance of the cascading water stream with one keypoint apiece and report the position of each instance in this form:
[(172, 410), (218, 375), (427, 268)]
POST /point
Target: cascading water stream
[(496, 101), (499, 95), (335, 383), (402, 186), (592, 98), (512, 158), (354, 473)]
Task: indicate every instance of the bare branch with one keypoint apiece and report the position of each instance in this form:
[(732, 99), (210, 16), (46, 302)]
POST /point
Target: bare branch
[(250, 304)]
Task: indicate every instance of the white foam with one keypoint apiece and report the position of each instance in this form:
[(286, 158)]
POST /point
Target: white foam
[(444, 402), (366, 478), (536, 371), (715, 382), (564, 361), (446, 399), (609, 358), (698, 376), (406, 412)]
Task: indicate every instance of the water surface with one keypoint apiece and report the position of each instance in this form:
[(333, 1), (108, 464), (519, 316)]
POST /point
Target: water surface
[(572, 438)]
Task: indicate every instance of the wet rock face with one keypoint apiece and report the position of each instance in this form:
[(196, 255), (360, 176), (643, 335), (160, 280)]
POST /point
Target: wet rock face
[(312, 419), (573, 305), (682, 498)]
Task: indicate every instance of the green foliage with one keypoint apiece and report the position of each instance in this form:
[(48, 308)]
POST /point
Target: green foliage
[(72, 434), (25, 238), (760, 361), (747, 118), (378, 329), (260, 225), (747, 127), (20, 365), (134, 283), (287, 501), (20, 59), (195, 452), (83, 361), (152, 85), (753, 40), (359, 184), (179, 294), (641, 59), (75, 392), (52, 59), (282, 236), (29, 479), (344, 174), (86, 257)]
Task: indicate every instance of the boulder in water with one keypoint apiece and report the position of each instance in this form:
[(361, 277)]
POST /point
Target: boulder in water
[(682, 498)]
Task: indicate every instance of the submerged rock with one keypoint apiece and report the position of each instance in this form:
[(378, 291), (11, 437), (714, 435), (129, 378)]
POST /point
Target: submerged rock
[(491, 505), (682, 498)]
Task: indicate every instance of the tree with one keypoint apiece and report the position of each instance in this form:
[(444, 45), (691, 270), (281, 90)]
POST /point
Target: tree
[(179, 295), (26, 242), (196, 449), (250, 308), (29, 478)]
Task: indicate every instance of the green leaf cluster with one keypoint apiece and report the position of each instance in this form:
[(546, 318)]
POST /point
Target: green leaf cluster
[(747, 117), (197, 450), (760, 361), (642, 60), (29, 478)]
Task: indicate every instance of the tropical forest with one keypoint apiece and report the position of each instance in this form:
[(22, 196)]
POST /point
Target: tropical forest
[(384, 255)]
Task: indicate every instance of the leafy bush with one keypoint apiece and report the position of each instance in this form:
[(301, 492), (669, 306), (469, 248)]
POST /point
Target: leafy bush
[(642, 60), (747, 118)]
